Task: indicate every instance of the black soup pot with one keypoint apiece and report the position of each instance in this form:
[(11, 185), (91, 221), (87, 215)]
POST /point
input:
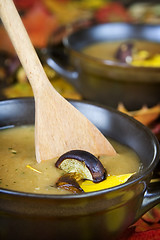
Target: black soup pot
[(105, 81), (103, 214)]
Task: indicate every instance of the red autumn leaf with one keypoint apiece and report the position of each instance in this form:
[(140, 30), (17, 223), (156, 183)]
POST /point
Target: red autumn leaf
[(142, 226), (39, 24), (112, 12), (156, 130), (23, 4), (148, 235), (152, 216), (146, 228)]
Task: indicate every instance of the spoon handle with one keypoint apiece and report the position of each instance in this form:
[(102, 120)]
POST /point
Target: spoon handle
[(23, 46), (59, 127)]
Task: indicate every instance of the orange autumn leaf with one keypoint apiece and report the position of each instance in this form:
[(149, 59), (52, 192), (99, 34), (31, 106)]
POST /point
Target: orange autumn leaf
[(39, 24), (145, 115)]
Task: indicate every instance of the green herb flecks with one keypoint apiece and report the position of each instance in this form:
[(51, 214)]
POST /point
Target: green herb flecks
[(12, 150)]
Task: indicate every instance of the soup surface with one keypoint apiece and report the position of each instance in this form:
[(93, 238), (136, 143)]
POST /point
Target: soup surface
[(20, 171), (107, 50)]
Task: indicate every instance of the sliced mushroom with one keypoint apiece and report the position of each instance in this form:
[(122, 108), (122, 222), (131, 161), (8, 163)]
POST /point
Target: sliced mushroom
[(125, 52), (83, 163), (68, 182)]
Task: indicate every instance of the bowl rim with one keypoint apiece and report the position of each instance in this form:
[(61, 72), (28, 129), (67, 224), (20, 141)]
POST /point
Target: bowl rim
[(109, 63)]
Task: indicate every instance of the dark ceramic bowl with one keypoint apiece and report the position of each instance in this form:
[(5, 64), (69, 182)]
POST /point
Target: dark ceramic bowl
[(105, 81), (103, 214)]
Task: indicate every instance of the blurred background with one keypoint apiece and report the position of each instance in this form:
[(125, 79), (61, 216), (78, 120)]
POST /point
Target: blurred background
[(44, 19), (48, 21)]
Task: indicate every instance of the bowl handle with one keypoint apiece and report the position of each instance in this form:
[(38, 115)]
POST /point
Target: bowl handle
[(68, 74), (151, 199), (59, 63)]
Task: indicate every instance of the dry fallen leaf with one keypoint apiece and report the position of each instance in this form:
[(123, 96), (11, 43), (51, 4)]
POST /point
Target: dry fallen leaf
[(144, 115)]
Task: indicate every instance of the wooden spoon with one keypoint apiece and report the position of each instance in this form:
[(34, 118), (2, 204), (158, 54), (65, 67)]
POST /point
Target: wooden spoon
[(59, 127)]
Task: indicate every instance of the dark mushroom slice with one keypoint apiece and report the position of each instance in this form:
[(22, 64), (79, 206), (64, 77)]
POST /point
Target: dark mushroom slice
[(125, 52), (83, 163), (68, 182)]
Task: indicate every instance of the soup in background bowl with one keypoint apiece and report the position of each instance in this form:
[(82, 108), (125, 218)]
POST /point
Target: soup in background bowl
[(95, 215)]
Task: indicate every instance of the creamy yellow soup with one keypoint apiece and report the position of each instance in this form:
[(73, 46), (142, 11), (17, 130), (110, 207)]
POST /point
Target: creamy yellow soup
[(107, 50), (20, 171)]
